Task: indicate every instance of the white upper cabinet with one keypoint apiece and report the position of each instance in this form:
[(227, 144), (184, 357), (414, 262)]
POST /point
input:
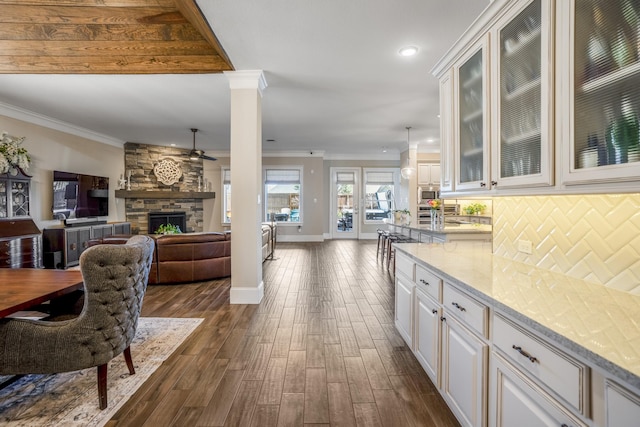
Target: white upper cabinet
[(522, 48), (545, 99), (446, 132), (471, 107), (600, 77), (429, 174)]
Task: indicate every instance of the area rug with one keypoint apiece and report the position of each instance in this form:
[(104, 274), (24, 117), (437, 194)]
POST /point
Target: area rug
[(71, 399)]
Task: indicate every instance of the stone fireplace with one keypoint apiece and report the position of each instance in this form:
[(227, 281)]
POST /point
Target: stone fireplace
[(156, 219), (150, 196)]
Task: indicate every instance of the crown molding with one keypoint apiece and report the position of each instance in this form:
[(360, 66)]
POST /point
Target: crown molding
[(51, 123), (247, 79)]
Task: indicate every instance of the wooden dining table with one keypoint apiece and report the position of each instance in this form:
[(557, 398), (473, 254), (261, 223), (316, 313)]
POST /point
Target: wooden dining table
[(22, 288)]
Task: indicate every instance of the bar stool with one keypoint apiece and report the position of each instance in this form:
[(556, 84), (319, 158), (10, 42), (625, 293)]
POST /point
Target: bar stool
[(381, 241), (391, 251)]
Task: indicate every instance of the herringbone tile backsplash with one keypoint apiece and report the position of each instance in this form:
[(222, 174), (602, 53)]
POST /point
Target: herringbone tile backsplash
[(592, 237)]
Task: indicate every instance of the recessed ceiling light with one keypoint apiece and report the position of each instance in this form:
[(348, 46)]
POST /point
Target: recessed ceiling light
[(408, 51), (173, 144)]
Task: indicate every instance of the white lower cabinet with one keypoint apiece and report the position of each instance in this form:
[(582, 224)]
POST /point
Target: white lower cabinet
[(517, 401), (622, 406), (427, 336), (464, 372), (405, 290), (491, 369)]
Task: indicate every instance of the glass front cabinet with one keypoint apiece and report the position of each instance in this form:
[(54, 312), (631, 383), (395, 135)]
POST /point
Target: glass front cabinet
[(472, 118), (14, 194), (601, 78), (523, 93), (546, 94)]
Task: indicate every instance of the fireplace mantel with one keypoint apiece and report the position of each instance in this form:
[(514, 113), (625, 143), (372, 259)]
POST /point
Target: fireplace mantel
[(143, 194)]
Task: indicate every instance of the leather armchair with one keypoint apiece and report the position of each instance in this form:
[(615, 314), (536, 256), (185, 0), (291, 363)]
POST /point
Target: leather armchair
[(115, 280)]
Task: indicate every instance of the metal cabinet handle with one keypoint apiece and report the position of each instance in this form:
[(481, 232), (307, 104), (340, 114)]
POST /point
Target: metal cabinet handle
[(434, 311), (494, 183), (524, 353), (483, 184), (424, 281), (458, 306), (444, 319)]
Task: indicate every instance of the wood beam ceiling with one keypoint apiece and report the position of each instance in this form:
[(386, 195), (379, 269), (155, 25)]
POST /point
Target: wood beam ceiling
[(107, 37)]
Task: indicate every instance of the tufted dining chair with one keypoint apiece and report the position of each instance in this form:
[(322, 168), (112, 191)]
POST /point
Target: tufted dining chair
[(115, 280)]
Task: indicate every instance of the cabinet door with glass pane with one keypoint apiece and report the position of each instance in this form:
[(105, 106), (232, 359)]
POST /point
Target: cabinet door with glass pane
[(523, 46), (14, 194), (472, 130), (602, 76)]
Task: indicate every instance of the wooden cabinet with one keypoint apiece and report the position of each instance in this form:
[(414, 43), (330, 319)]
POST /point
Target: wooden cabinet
[(427, 335), (429, 174), (522, 83), (471, 110), (465, 355), (405, 289), (518, 401), (20, 244), (63, 245), (122, 228), (555, 108), (599, 84), (446, 132), (15, 189), (453, 355), (622, 406)]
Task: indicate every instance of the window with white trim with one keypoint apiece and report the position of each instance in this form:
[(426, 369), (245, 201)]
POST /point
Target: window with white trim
[(379, 193), (283, 194), (226, 196)]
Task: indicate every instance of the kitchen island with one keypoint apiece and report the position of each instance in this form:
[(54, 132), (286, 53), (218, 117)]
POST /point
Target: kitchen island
[(571, 348), (451, 231)]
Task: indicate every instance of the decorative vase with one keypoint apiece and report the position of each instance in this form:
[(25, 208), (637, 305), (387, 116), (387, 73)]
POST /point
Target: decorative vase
[(437, 219), (397, 216)]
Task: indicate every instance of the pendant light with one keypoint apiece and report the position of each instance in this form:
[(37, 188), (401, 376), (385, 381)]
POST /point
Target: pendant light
[(408, 171)]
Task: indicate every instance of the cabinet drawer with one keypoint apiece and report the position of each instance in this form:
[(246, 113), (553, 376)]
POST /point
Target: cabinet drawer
[(472, 313), (429, 283), (561, 373), (404, 265)]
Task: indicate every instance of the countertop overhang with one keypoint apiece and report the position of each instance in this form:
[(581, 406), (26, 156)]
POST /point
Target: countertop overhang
[(600, 324)]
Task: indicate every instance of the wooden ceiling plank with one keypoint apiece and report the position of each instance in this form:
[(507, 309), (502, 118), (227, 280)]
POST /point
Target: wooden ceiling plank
[(112, 32), (89, 15), (113, 65), (95, 48), (191, 11), (93, 3)]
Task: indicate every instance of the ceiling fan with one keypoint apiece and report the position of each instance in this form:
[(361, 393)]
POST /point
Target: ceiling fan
[(198, 154)]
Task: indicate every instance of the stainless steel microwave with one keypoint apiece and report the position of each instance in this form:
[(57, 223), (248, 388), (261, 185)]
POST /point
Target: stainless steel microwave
[(424, 195)]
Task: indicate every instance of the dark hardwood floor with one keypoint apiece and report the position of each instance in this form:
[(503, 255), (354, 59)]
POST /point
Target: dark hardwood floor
[(321, 349)]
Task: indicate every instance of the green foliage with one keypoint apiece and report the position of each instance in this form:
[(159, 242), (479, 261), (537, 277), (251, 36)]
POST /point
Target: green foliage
[(475, 208), (168, 229)]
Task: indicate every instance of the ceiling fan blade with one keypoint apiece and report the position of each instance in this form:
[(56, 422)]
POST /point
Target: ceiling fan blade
[(205, 157)]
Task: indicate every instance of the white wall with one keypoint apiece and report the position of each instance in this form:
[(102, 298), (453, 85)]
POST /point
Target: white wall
[(54, 150)]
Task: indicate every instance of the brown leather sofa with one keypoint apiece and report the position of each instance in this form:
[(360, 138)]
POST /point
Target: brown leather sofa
[(192, 257)]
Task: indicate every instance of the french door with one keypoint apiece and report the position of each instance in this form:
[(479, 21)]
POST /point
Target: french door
[(345, 203)]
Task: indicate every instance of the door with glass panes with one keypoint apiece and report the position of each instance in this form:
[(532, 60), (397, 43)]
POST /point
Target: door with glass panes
[(345, 203)]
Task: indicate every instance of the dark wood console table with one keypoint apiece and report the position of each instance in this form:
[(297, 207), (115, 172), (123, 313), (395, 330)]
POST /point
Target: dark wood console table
[(20, 244)]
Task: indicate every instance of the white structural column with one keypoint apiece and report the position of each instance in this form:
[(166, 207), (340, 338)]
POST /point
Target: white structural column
[(246, 87)]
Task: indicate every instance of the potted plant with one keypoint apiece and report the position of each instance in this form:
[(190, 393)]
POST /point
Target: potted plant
[(168, 229)]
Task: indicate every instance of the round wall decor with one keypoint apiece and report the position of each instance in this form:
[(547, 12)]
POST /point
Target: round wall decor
[(167, 171)]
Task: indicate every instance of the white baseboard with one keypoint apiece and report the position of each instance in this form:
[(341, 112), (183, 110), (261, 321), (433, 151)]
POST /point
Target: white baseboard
[(298, 238), (245, 294)]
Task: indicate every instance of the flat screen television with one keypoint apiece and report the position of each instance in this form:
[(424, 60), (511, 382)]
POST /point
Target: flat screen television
[(80, 198)]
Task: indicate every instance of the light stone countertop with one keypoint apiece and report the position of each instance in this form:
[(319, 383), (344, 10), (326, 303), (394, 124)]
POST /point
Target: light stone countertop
[(447, 229), (600, 324)]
